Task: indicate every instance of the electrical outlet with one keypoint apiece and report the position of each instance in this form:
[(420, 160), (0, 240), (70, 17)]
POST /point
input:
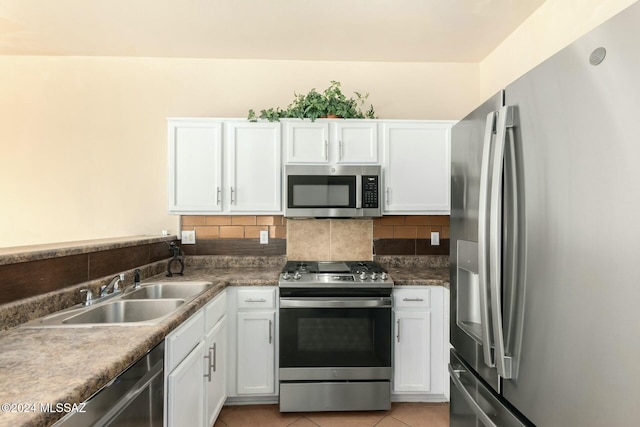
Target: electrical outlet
[(264, 237), (435, 238), (189, 237)]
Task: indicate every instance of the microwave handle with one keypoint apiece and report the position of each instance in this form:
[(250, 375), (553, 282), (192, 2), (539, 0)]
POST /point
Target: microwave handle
[(358, 191)]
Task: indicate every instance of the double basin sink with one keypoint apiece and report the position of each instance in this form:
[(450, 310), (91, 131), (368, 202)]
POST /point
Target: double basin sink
[(148, 305)]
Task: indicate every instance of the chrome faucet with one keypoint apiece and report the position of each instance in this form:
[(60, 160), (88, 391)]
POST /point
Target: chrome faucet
[(89, 298), (112, 287)]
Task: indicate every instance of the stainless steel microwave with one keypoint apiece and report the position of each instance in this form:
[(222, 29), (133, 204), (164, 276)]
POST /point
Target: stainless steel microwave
[(332, 191)]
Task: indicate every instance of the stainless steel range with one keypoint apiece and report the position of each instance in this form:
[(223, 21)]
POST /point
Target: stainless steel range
[(335, 336)]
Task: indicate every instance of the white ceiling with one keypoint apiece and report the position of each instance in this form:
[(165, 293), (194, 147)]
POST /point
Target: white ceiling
[(340, 30)]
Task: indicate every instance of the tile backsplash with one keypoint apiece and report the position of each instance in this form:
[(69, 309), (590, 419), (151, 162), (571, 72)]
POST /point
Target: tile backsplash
[(235, 226), (317, 239), (329, 239)]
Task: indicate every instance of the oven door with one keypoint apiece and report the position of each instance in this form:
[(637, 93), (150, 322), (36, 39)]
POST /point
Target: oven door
[(335, 338)]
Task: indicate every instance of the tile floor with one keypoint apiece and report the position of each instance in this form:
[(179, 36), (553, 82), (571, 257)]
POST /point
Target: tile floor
[(400, 415)]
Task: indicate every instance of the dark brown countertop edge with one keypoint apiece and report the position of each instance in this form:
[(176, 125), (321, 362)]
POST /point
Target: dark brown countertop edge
[(16, 254)]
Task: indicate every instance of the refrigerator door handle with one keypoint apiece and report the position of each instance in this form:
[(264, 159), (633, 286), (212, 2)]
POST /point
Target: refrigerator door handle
[(475, 407), (503, 362), (483, 239)]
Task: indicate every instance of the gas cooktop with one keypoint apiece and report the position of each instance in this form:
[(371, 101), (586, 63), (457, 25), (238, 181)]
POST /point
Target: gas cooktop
[(334, 274)]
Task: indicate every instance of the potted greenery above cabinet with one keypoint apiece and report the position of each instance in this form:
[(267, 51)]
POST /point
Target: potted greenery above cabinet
[(331, 103)]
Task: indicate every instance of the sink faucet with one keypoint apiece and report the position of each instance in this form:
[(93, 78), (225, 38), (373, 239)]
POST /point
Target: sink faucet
[(136, 279), (89, 298), (112, 287)]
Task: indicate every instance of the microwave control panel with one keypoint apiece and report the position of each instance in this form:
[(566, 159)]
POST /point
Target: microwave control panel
[(369, 191)]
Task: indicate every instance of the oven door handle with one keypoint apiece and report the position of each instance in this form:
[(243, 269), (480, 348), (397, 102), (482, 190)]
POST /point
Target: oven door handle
[(328, 302)]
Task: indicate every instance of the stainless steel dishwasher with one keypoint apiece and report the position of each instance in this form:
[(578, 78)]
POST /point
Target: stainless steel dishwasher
[(133, 398)]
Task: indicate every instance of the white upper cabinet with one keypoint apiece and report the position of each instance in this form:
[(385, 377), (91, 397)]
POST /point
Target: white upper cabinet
[(416, 167), (307, 141), (233, 166), (331, 141), (357, 142), (195, 165), (241, 175), (254, 173)]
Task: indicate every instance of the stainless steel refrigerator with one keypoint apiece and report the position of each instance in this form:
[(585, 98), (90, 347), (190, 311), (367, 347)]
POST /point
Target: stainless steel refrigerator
[(545, 242)]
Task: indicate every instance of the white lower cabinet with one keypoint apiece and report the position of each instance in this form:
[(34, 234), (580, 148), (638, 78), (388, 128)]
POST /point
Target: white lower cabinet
[(216, 380), (195, 364), (256, 352), (252, 360), (412, 370), (418, 343), (185, 403)]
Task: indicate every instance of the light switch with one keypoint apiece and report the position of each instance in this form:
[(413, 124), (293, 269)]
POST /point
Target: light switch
[(264, 237)]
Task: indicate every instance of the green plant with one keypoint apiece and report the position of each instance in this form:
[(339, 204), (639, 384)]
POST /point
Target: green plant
[(314, 104)]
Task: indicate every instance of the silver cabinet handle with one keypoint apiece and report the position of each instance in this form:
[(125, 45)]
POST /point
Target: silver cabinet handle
[(386, 199), (208, 374), (413, 299), (270, 335), (213, 349), (340, 151), (233, 200), (483, 238), (503, 362), (218, 196), (326, 149), (398, 329), (255, 300)]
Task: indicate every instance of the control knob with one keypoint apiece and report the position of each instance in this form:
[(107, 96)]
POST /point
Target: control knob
[(286, 276), (384, 275), (297, 276), (363, 276), (374, 276)]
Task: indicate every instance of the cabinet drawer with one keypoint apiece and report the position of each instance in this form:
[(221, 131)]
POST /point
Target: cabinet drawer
[(411, 298), (181, 341), (214, 310), (256, 298)]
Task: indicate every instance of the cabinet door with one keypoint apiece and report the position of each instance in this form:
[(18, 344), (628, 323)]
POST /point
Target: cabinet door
[(416, 168), (254, 168), (356, 142), (195, 166), (412, 351), (307, 142), (185, 405), (256, 352), (216, 382)]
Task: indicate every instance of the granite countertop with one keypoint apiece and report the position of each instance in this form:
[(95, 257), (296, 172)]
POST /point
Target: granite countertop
[(68, 365), (423, 276)]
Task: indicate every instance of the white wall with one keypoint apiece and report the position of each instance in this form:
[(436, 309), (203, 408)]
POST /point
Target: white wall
[(83, 147), (552, 27), (83, 144)]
